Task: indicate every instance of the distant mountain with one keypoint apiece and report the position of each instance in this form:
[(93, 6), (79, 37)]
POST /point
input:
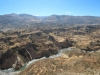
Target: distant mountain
[(41, 17), (15, 20), (20, 20), (66, 19)]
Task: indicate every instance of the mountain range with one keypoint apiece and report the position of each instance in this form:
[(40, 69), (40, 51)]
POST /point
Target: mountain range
[(20, 20)]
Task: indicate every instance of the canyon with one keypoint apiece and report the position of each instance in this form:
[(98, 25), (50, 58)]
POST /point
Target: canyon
[(46, 38)]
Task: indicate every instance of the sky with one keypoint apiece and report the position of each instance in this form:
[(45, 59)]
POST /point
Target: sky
[(50, 7)]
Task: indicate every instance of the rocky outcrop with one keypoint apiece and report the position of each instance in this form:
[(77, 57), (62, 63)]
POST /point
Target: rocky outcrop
[(18, 56), (28, 46), (71, 62), (10, 59), (64, 44), (93, 46)]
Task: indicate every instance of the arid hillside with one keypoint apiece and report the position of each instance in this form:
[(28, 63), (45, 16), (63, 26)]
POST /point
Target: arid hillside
[(21, 45), (72, 62), (81, 61)]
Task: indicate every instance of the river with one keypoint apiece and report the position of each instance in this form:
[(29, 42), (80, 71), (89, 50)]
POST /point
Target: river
[(11, 71)]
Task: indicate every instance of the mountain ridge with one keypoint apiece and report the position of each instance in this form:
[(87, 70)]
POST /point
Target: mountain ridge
[(20, 20)]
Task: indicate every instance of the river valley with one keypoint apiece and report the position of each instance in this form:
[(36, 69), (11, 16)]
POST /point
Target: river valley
[(11, 71)]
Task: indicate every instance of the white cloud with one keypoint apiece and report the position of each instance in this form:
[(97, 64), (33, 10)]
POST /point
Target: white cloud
[(36, 15), (68, 12)]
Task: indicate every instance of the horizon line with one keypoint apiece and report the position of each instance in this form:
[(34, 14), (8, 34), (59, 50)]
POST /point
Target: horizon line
[(48, 15)]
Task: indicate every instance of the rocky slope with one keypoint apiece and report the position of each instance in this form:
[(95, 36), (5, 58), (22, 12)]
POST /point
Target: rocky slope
[(20, 49), (75, 62), (19, 46), (72, 62)]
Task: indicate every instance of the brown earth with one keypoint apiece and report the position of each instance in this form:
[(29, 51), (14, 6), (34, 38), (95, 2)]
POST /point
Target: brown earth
[(72, 62), (18, 50), (19, 46)]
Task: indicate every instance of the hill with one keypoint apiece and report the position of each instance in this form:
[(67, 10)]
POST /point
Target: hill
[(10, 21)]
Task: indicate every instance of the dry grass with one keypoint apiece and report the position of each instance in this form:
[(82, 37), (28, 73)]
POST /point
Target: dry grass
[(72, 64)]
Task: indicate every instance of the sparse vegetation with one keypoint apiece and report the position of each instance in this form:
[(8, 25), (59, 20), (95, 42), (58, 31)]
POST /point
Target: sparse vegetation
[(44, 39)]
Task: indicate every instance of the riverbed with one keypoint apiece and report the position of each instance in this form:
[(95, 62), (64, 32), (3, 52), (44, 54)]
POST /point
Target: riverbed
[(11, 71)]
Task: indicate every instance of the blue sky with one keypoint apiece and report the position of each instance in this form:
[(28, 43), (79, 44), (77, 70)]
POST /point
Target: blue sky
[(50, 7)]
